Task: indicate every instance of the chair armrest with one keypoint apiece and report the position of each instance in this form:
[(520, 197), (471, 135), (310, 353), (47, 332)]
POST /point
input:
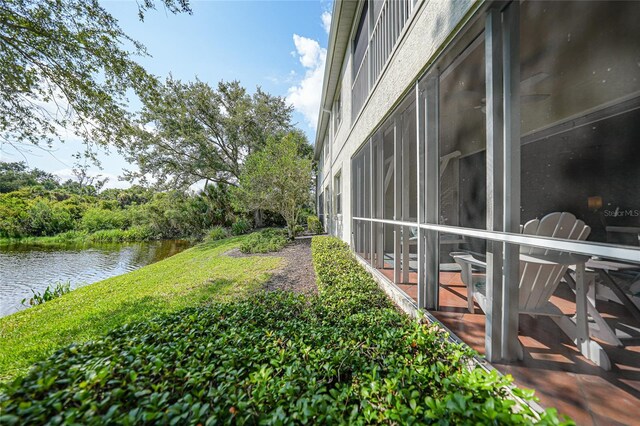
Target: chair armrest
[(554, 258), (466, 261)]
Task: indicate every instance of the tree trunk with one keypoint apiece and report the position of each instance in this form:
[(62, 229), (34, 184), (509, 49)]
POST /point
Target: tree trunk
[(258, 221)]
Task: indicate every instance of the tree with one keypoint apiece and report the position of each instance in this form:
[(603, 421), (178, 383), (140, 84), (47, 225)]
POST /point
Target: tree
[(277, 178), (189, 132), (67, 64), (84, 183), (14, 176)]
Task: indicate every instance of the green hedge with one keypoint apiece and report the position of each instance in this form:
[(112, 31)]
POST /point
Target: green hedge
[(265, 241), (437, 385), (346, 356)]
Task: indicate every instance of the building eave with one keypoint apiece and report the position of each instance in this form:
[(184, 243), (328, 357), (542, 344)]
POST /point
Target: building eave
[(341, 23)]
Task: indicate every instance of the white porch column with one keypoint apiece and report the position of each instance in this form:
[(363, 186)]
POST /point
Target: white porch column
[(493, 72), (511, 176), (503, 180), (431, 204)]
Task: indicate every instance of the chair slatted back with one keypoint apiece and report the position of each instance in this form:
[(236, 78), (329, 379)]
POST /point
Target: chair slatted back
[(539, 281)]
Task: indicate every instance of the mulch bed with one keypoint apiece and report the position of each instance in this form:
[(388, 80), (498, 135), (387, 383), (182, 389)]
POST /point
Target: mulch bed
[(297, 274)]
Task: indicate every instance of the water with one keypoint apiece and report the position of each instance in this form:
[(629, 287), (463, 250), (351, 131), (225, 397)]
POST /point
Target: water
[(26, 267)]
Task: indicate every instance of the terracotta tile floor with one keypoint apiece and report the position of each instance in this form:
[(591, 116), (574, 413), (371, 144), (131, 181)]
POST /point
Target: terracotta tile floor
[(560, 375)]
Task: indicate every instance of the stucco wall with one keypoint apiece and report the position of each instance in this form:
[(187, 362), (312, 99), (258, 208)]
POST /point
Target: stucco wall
[(432, 24)]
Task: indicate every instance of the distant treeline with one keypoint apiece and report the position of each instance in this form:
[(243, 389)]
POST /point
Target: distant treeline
[(34, 203)]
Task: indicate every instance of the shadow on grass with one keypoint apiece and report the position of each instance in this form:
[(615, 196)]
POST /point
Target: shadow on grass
[(98, 324), (92, 327)]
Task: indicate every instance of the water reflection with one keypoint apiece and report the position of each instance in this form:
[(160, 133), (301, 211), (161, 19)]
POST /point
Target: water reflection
[(24, 267)]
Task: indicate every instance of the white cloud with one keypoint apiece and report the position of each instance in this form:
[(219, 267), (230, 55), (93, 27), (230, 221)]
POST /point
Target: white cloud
[(326, 21), (305, 96), (309, 51)]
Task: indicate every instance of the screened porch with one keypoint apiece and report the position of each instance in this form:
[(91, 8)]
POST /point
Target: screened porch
[(501, 195)]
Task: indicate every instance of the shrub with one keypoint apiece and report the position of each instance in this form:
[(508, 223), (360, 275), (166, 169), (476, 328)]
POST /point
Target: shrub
[(49, 293), (139, 233), (96, 219), (137, 215), (217, 233), (264, 241), (297, 230), (303, 218), (136, 233), (14, 217), (107, 236), (71, 236), (48, 218), (314, 225), (240, 226)]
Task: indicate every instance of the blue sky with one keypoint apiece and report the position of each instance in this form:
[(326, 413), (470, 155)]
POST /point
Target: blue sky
[(277, 45)]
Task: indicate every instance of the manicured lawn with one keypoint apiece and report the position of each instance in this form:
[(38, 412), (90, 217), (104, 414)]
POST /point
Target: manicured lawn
[(191, 278)]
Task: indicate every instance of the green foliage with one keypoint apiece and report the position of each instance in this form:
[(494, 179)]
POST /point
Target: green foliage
[(305, 212), (275, 358), (70, 236), (202, 133), (240, 226), (127, 214), (217, 233), (339, 273), (430, 379), (98, 219), (277, 178), (264, 241), (14, 176), (35, 211), (136, 233), (214, 203), (297, 230), (135, 195), (314, 225), (51, 292), (272, 220), (72, 55), (76, 237), (48, 218), (194, 277)]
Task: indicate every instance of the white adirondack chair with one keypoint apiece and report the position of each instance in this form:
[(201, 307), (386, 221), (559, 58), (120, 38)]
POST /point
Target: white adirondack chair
[(540, 273)]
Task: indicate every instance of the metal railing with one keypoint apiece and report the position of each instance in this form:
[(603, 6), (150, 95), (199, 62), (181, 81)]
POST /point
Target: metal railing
[(588, 248), (386, 31), (394, 14)]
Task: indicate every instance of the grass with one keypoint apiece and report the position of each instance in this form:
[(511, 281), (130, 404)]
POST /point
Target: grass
[(194, 277)]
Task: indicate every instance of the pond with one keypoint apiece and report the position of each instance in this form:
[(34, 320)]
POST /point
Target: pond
[(27, 267)]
